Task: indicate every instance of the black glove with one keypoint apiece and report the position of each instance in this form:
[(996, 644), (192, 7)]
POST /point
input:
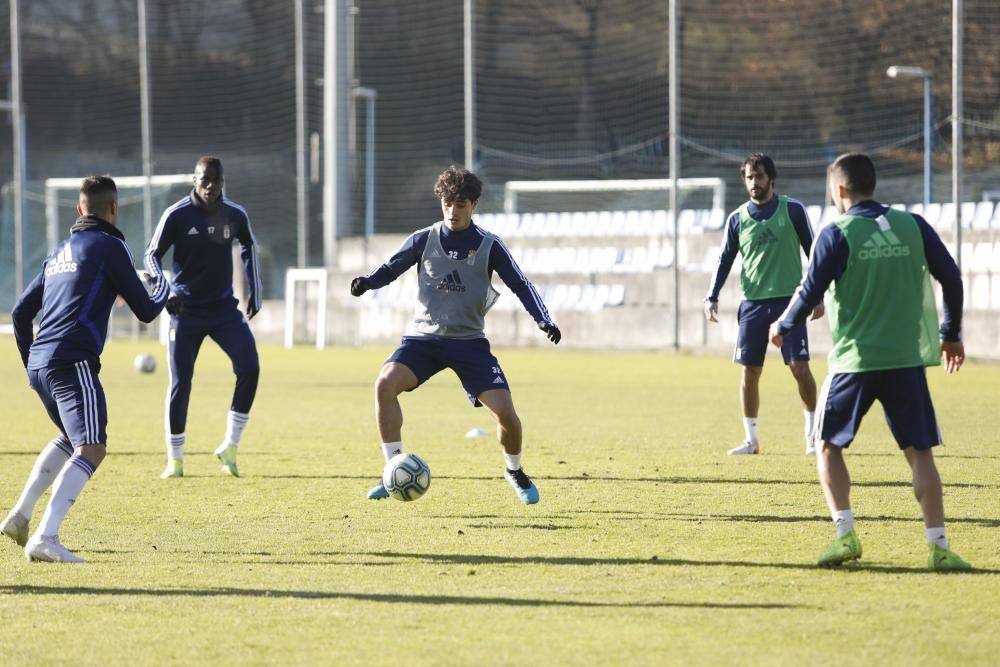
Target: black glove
[(359, 286), (251, 311), (174, 305), (552, 331)]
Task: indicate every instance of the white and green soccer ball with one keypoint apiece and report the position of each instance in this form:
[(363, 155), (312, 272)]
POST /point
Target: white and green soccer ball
[(406, 477)]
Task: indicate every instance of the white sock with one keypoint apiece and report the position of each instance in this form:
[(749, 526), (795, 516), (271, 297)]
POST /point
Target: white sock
[(235, 423), (844, 522), (810, 421), (750, 429), (175, 446), (47, 466), (390, 449), (513, 461), (936, 536), (74, 476)]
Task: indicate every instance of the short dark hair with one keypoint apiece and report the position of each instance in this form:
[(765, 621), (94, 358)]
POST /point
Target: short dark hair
[(97, 193), (206, 161), (455, 183), (759, 161), (858, 171)]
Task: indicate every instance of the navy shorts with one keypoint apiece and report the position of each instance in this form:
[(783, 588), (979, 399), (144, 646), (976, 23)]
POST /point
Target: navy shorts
[(755, 318), (471, 359), (74, 398), (906, 401)]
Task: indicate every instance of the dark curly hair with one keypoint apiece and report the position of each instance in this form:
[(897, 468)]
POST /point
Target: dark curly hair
[(759, 161), (455, 183)]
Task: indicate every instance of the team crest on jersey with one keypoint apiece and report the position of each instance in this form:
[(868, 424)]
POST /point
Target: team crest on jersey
[(225, 232), (471, 259)]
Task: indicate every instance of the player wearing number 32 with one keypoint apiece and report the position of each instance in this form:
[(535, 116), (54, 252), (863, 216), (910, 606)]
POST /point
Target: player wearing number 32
[(877, 262), (455, 262)]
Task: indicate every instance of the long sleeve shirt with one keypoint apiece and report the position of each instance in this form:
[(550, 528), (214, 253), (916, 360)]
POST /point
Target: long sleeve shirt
[(202, 238), (458, 245), (829, 261), (731, 241), (75, 292)]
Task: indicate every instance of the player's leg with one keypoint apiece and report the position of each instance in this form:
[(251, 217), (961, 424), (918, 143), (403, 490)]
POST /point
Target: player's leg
[(501, 404), (84, 415), (751, 347), (16, 525), (183, 343), (845, 398), (409, 366), (795, 351), (233, 335), (910, 413), (486, 384)]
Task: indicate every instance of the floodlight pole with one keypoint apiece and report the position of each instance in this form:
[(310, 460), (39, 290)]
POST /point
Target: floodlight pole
[(470, 86), (956, 124), (919, 72), (16, 107), (369, 95), (336, 95), (301, 182), (674, 101), (146, 124)]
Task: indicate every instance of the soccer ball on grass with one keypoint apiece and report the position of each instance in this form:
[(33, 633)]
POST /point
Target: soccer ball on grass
[(145, 363), (406, 477)]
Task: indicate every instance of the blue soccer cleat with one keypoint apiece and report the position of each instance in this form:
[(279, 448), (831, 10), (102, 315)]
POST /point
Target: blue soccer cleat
[(525, 488), (378, 492)]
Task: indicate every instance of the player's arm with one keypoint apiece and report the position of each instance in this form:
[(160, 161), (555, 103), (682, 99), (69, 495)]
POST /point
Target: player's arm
[(727, 255), (251, 265), (163, 239), (510, 273), (27, 306), (408, 254), (827, 263), (800, 221), (120, 270), (944, 269)]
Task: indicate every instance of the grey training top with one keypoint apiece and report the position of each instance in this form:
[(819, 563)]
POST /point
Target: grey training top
[(454, 294)]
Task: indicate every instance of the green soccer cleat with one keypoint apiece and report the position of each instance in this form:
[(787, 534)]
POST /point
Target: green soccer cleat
[(175, 468), (946, 560), (228, 457), (841, 550)]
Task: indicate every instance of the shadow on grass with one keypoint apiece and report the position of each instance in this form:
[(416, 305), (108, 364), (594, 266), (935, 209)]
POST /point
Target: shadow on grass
[(478, 559), (462, 600)]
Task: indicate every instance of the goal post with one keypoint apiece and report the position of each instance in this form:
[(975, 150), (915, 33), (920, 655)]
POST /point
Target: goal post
[(305, 276), (165, 183), (512, 189)]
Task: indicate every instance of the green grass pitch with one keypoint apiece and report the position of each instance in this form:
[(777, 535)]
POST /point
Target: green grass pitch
[(650, 546)]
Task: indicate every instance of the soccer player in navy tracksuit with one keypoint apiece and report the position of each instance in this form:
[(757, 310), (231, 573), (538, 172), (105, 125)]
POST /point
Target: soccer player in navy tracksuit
[(455, 263), (201, 229), (767, 232), (75, 291)]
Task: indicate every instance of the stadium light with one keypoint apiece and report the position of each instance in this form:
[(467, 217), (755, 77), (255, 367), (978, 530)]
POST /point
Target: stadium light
[(920, 73)]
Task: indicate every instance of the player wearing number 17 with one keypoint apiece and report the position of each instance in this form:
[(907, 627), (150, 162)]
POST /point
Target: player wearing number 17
[(455, 262), (877, 262)]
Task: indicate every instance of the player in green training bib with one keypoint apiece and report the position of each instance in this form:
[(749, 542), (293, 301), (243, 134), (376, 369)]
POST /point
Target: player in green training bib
[(766, 232), (877, 263)]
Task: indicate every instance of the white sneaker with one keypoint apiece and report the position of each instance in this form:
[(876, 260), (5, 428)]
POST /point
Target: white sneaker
[(810, 446), (46, 548), (746, 448), (15, 527)]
